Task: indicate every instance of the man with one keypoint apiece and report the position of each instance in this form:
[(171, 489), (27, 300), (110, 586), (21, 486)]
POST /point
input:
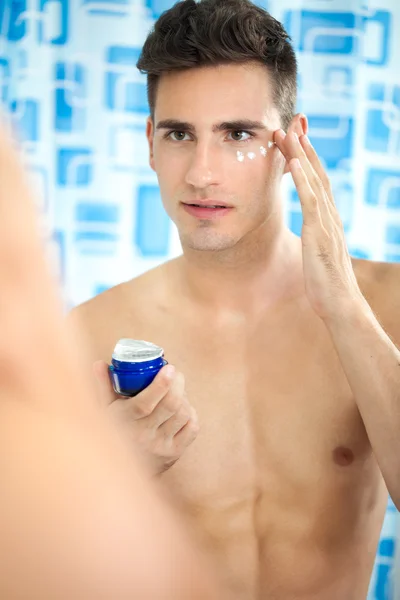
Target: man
[(294, 381), (78, 519)]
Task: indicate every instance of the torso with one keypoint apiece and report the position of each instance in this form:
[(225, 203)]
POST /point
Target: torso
[(281, 486)]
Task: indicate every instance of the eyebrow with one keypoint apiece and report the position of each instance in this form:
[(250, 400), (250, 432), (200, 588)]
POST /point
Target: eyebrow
[(238, 125)]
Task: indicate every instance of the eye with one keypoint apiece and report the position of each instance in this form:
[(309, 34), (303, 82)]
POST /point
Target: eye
[(176, 136), (238, 136)]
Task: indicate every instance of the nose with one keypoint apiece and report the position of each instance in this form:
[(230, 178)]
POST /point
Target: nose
[(203, 168)]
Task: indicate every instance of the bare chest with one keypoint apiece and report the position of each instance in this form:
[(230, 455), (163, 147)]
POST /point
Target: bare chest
[(275, 410)]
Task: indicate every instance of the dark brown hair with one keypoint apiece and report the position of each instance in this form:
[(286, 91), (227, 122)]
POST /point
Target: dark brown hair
[(214, 32)]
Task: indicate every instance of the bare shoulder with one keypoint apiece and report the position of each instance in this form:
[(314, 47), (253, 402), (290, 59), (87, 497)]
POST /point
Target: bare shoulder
[(380, 284), (119, 311)]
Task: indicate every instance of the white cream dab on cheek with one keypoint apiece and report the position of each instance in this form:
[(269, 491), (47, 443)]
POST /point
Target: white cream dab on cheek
[(270, 144), (240, 156), (263, 151), (251, 155)]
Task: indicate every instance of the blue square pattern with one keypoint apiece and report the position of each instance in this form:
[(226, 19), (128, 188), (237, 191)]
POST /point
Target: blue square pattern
[(97, 212), (296, 221), (379, 23), (74, 167), (334, 141), (69, 90), (122, 91), (26, 117), (109, 8), (392, 257), (97, 222), (12, 21), (383, 188), (157, 7), (53, 24), (49, 21), (152, 231), (393, 235), (385, 555), (96, 242), (5, 72), (357, 252), (383, 120), (322, 32)]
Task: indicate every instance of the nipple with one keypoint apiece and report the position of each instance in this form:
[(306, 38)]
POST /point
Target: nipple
[(343, 456)]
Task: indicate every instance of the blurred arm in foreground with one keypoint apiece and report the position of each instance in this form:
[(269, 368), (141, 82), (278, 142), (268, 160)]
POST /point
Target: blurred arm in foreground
[(78, 519)]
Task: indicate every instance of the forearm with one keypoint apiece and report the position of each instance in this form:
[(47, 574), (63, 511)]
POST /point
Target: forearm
[(371, 363)]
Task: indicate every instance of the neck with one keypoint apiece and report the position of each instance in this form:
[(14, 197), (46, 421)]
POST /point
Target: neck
[(259, 272)]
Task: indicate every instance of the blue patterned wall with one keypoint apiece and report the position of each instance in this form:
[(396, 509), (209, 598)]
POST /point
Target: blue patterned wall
[(67, 75)]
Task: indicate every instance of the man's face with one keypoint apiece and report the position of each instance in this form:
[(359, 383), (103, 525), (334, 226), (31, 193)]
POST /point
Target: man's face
[(210, 145)]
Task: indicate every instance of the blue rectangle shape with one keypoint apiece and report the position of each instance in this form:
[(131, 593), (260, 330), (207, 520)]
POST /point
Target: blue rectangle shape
[(107, 8), (76, 160), (152, 232), (11, 14), (97, 212), (332, 149), (382, 181), (134, 98), (390, 257), (386, 547), (383, 18), (359, 253), (95, 236), (328, 42), (378, 131), (157, 7), (27, 118), (296, 222), (393, 235), (72, 78), (4, 78), (123, 55), (122, 92), (63, 24)]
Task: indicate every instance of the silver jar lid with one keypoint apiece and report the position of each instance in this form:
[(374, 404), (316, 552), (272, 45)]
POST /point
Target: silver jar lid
[(127, 350)]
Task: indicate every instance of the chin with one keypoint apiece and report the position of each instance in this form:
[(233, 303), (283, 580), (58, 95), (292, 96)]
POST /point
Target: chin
[(211, 242)]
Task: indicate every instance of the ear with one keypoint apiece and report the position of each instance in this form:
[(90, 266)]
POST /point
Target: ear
[(299, 125), (150, 139)]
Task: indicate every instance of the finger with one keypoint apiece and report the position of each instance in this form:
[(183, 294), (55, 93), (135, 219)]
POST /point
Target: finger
[(291, 148), (175, 423), (296, 151), (145, 402), (104, 386), (317, 166), (308, 199), (170, 404), (316, 175), (189, 432)]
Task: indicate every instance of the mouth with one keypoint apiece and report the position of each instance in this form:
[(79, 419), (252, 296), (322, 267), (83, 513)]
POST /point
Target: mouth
[(207, 211)]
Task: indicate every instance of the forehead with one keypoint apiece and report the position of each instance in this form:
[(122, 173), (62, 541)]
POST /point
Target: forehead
[(210, 94)]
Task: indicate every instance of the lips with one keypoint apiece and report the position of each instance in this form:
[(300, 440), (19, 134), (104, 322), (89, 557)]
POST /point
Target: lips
[(207, 211), (208, 203)]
